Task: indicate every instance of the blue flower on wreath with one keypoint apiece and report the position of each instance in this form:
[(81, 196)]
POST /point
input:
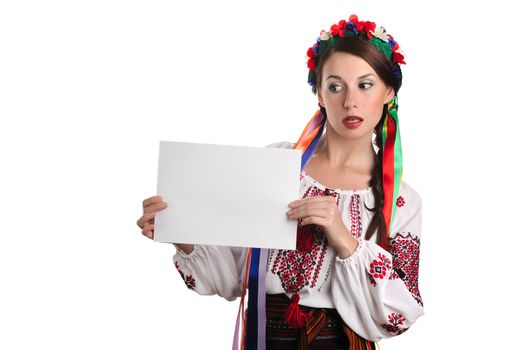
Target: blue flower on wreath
[(397, 72), (351, 26)]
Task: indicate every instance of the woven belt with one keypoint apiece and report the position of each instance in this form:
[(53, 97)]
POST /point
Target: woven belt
[(324, 323)]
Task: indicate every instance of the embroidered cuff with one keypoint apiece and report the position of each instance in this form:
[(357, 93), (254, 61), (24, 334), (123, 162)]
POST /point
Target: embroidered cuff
[(192, 254), (359, 251)]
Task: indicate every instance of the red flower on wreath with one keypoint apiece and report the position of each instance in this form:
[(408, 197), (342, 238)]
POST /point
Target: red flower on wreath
[(311, 64), (353, 19), (339, 29), (367, 26), (398, 57)]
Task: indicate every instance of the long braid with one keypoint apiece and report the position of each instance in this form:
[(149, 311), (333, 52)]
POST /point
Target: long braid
[(376, 183)]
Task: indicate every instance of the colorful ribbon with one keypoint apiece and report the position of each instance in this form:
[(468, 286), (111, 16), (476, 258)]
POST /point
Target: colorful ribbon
[(391, 166), (257, 260)]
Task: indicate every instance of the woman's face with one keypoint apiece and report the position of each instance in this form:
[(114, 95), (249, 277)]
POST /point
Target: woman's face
[(351, 87)]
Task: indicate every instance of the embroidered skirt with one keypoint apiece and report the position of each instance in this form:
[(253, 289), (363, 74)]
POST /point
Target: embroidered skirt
[(325, 329)]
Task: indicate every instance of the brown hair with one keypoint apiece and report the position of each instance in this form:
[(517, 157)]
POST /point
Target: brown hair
[(377, 60)]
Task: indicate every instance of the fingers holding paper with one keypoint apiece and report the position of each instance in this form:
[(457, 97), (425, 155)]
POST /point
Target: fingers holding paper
[(150, 207), (323, 211)]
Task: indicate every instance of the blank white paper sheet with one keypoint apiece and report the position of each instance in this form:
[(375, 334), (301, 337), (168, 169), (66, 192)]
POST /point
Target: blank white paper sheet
[(227, 195)]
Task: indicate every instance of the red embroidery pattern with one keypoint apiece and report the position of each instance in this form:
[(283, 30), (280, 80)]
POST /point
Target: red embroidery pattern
[(400, 201), (318, 266), (379, 267), (393, 275), (314, 191), (371, 280), (300, 268), (405, 249), (270, 255), (356, 225), (331, 265), (188, 280), (396, 321)]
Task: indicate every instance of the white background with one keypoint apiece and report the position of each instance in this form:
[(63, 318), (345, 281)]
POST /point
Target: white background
[(88, 88)]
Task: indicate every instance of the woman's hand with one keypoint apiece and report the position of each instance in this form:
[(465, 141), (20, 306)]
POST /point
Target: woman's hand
[(323, 211), (150, 207), (146, 222)]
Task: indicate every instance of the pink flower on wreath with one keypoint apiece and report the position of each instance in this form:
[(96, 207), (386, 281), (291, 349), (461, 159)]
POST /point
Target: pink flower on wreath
[(324, 35), (400, 201)]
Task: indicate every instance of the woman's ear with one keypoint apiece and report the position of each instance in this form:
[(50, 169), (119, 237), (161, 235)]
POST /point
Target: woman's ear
[(320, 99), (389, 94)]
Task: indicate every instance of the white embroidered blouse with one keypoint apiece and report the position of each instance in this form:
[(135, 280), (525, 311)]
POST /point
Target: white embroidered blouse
[(374, 290)]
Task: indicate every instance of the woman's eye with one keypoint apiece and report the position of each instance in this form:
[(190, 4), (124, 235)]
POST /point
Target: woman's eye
[(365, 85), (335, 88)]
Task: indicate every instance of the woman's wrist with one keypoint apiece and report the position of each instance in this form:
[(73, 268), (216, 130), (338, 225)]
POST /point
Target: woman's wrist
[(347, 246), (187, 248)]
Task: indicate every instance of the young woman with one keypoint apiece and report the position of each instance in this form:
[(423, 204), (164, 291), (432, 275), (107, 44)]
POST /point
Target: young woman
[(353, 278)]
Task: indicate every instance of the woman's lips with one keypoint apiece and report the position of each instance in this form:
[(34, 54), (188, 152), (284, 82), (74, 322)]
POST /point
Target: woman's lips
[(348, 123)]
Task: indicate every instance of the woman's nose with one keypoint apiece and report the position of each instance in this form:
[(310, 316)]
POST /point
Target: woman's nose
[(350, 99)]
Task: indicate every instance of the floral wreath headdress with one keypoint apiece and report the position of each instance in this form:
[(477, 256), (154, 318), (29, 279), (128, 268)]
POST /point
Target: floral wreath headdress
[(254, 325), (369, 31)]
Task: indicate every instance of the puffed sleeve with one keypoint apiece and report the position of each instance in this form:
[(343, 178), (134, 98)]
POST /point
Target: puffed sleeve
[(219, 270), (210, 270), (376, 290)]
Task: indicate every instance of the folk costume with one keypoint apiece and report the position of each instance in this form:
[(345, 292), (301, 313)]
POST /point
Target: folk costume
[(309, 298)]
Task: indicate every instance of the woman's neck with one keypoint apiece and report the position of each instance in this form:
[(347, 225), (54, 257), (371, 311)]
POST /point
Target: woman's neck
[(339, 154)]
